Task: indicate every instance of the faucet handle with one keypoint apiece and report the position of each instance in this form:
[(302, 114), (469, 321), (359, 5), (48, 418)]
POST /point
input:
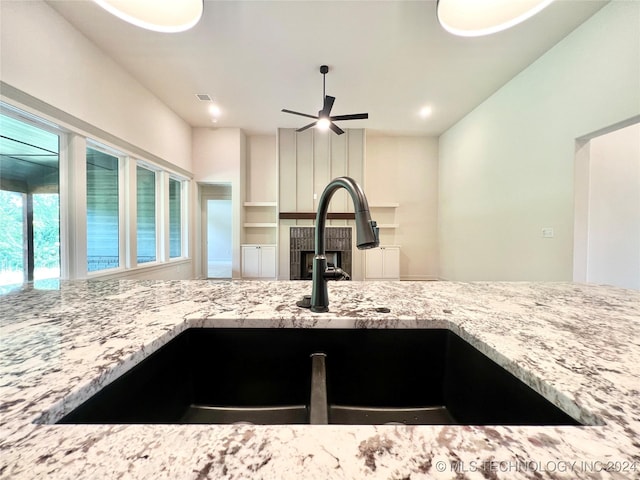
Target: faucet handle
[(376, 231), (336, 273)]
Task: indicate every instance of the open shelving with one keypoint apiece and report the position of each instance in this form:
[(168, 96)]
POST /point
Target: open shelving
[(384, 214)]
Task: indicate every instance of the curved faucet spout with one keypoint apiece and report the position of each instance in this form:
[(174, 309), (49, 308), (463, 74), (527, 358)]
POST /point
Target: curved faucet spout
[(366, 236)]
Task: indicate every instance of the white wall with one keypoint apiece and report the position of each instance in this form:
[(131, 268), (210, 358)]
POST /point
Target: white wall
[(613, 251), (506, 169), (42, 55), (219, 156), (404, 170)]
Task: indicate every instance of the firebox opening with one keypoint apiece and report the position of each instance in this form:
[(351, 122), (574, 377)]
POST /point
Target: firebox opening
[(302, 242), (334, 260)]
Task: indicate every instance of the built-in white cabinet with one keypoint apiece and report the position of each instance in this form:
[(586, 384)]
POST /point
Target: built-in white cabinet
[(258, 261), (382, 263)]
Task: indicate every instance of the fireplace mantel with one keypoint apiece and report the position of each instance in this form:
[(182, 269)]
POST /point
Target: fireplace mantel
[(312, 216)]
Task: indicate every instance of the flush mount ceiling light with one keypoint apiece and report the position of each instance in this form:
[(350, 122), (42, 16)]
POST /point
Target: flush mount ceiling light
[(167, 16), (473, 18)]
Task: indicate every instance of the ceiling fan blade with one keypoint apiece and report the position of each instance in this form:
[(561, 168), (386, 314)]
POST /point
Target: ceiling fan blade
[(353, 116), (336, 129), (328, 105), (302, 129), (298, 113)]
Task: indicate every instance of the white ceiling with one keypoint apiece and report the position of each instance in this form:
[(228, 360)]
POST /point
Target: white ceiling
[(387, 58)]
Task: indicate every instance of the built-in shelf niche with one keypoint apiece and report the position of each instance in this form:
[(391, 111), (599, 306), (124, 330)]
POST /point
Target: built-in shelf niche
[(384, 213), (260, 225), (260, 204), (260, 222), (260, 192), (384, 205)]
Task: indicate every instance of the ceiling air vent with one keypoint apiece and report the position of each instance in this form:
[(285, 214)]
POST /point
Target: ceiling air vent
[(205, 97)]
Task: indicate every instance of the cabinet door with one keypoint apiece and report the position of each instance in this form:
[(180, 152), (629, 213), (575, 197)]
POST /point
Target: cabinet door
[(373, 263), (391, 263), (251, 261), (268, 262)]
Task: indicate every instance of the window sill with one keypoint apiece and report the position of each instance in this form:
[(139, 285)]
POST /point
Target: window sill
[(144, 268)]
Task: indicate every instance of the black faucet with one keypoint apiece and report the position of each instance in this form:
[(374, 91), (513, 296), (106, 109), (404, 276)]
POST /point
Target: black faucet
[(366, 237)]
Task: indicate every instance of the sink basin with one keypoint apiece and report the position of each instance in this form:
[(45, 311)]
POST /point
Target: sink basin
[(369, 376)]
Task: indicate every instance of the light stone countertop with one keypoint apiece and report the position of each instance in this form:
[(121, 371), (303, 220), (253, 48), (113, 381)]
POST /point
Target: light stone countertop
[(577, 345)]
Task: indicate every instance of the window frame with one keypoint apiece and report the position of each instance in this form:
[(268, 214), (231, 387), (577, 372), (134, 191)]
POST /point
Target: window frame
[(122, 220), (54, 128), (157, 213), (184, 224), (74, 139)]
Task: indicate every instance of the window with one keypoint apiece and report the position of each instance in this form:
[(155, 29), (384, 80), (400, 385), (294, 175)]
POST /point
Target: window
[(146, 207), (103, 207), (30, 206), (175, 218), (29, 202)]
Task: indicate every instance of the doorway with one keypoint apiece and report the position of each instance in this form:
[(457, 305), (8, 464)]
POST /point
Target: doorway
[(607, 208), (217, 221)]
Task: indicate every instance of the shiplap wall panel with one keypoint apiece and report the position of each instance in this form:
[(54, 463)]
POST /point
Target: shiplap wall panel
[(287, 162), (339, 169), (321, 163), (355, 150), (304, 171)]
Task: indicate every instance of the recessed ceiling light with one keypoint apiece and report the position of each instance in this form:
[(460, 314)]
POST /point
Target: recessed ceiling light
[(426, 111), (214, 110), (167, 16), (473, 18)]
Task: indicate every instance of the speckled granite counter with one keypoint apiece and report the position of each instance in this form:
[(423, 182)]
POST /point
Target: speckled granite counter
[(577, 345)]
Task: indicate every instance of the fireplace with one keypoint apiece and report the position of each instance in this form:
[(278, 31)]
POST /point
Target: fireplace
[(302, 250), (334, 259)]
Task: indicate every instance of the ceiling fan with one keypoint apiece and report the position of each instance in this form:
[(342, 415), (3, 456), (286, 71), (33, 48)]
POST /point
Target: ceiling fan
[(324, 119)]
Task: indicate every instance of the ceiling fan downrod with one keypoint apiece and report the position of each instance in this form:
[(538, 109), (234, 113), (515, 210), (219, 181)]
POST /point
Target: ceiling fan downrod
[(324, 69)]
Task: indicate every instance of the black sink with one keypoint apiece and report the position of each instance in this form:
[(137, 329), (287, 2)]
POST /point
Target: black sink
[(373, 376)]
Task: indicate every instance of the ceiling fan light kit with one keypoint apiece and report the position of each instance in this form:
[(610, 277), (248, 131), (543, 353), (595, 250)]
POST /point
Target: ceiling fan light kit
[(324, 120), (474, 18)]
